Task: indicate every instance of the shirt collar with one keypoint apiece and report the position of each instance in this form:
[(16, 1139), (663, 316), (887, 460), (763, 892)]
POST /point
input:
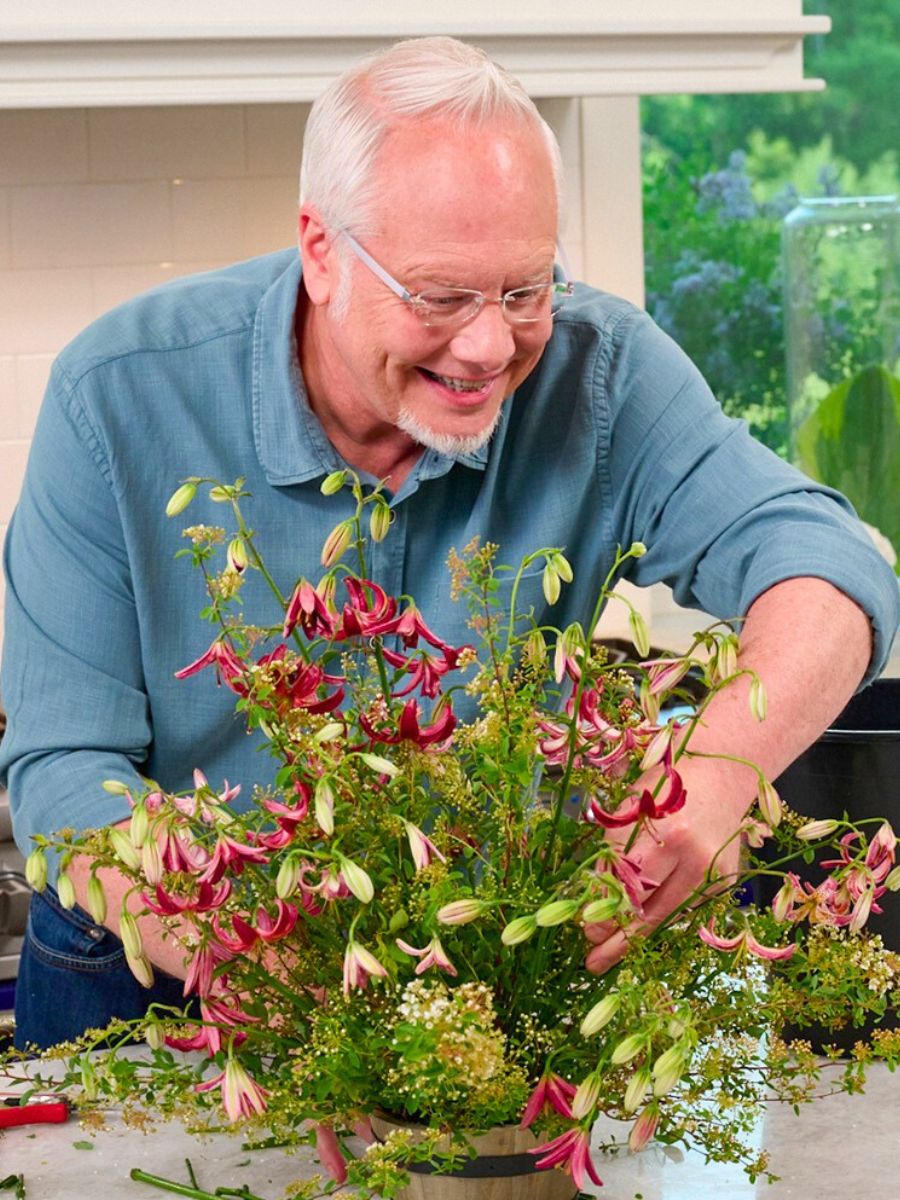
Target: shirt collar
[(290, 442)]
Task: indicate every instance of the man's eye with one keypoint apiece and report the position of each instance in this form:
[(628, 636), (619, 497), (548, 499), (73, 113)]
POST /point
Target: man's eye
[(528, 296), (445, 301)]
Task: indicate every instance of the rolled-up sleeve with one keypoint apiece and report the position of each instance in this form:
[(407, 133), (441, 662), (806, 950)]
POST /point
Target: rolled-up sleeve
[(724, 519), (71, 679)]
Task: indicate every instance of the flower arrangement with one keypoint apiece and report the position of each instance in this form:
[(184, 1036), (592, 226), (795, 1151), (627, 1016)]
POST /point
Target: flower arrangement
[(402, 919)]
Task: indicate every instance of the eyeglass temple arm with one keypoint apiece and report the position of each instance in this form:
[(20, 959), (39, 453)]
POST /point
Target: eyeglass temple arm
[(370, 262)]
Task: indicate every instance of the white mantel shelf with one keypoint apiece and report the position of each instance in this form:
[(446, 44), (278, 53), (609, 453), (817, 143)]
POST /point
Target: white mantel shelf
[(48, 61)]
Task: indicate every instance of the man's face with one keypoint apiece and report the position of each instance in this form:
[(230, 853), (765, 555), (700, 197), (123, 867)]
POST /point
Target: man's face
[(473, 209)]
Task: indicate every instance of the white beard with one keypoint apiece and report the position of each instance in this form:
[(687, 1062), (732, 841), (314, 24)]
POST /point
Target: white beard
[(453, 445)]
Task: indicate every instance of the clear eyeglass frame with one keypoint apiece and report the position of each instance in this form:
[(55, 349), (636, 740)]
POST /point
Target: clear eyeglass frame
[(458, 306)]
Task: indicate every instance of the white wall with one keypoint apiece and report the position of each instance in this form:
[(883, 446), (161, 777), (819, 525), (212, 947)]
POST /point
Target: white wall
[(99, 204)]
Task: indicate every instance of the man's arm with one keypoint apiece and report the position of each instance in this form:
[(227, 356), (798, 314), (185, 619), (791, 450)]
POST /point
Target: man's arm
[(810, 645)]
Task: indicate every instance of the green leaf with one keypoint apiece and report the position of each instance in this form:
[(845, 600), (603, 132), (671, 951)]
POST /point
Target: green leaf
[(83, 1145)]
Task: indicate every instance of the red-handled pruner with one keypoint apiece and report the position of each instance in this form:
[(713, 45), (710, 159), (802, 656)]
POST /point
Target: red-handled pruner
[(37, 1110)]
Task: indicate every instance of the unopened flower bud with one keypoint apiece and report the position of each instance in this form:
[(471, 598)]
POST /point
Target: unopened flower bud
[(115, 787), (550, 583), (287, 878), (383, 766), (337, 542), (556, 912), (328, 733), (892, 882), (238, 559), (357, 880), (638, 1086), (783, 902), (221, 493), (333, 483), (563, 568), (96, 899), (324, 806), (726, 658), (639, 633), (649, 702), (637, 549), (88, 1078), (519, 930), (601, 1014), (813, 830), (601, 910), (154, 1035), (643, 1129), (585, 1098), (380, 522), (151, 862), (629, 1048), (140, 825), (461, 912), (667, 1070), (657, 747), (36, 869), (180, 499), (65, 889), (758, 701), (769, 803), (140, 968), (130, 935), (535, 649)]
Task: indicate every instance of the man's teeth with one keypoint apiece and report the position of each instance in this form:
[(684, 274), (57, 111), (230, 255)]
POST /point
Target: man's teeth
[(460, 385)]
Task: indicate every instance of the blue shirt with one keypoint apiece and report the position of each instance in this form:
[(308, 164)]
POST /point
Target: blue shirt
[(613, 438)]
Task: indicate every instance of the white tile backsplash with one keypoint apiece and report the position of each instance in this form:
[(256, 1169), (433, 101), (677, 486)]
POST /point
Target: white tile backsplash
[(42, 310), (184, 141), (13, 456), (208, 218), (90, 224), (270, 214), (32, 373), (47, 145), (273, 134), (5, 240)]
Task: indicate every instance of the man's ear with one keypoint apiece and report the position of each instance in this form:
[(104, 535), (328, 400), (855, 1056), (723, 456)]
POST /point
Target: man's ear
[(320, 263)]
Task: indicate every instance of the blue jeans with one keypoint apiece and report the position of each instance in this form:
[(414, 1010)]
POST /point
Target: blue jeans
[(73, 976)]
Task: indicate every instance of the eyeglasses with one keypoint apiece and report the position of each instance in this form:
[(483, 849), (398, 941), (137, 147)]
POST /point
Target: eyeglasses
[(457, 306)]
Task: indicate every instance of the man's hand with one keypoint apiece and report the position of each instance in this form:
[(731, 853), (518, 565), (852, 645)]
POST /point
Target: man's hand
[(810, 646)]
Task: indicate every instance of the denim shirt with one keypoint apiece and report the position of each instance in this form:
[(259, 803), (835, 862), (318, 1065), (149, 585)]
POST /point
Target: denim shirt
[(613, 438)]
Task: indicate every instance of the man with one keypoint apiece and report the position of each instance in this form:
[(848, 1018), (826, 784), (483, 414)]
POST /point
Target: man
[(418, 345)]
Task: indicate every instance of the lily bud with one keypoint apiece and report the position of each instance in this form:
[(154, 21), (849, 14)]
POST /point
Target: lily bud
[(36, 869), (357, 880), (784, 899), (180, 499), (140, 969), (130, 935), (96, 900), (657, 747), (637, 550), (336, 543), (550, 583), (892, 882), (333, 483), (813, 830), (601, 1014), (221, 493), (115, 787), (638, 1086), (124, 850), (328, 733), (556, 912), (649, 702), (585, 1098), (601, 910), (380, 522), (461, 912), (154, 1035), (238, 560), (535, 648), (383, 766), (65, 889), (758, 701), (151, 863), (629, 1048), (639, 633), (643, 1129), (287, 878), (519, 930), (667, 1070), (726, 658), (140, 825), (769, 803), (563, 568), (324, 806)]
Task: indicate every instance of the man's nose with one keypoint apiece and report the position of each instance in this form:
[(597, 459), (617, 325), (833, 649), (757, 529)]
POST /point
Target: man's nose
[(487, 340)]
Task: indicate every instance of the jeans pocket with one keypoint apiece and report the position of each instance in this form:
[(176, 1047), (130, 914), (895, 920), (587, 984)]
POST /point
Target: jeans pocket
[(68, 938)]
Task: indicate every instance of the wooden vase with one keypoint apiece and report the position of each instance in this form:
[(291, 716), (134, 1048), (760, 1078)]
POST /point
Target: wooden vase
[(502, 1170)]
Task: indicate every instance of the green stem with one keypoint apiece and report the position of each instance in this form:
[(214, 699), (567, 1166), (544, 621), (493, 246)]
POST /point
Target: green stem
[(169, 1185)]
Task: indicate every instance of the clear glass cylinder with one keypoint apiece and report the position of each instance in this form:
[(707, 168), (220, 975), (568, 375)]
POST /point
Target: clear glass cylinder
[(841, 294)]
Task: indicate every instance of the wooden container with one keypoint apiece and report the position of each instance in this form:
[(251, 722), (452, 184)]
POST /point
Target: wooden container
[(503, 1170)]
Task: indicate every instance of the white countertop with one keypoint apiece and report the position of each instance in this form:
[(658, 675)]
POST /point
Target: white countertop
[(844, 1146)]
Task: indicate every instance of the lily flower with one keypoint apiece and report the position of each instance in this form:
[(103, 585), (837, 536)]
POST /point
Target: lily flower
[(307, 609), (571, 1151), (432, 955), (241, 1095), (229, 668), (409, 730), (423, 670), (644, 1128), (646, 807), (422, 847), (410, 627), (272, 929), (229, 854), (359, 965), (553, 1090), (328, 1149), (371, 612), (744, 942)]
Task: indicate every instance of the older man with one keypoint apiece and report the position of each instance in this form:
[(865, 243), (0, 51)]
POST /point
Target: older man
[(417, 343)]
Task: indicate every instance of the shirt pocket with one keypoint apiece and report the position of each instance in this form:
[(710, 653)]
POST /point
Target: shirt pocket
[(68, 938)]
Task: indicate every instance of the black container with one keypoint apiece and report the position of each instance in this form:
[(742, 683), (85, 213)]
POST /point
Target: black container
[(854, 767)]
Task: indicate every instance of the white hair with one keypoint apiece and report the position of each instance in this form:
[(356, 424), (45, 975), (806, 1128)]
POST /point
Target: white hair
[(453, 445), (419, 77)]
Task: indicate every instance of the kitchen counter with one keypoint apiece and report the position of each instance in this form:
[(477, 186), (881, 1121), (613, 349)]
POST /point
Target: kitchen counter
[(839, 1147)]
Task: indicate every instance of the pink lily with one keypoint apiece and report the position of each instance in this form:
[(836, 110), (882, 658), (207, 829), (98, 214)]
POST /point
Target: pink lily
[(233, 855), (328, 1149), (643, 1129), (409, 729), (307, 609), (410, 627), (665, 673), (571, 1151), (283, 924), (164, 904), (241, 1095), (422, 847), (359, 965), (371, 612), (229, 668), (422, 669), (241, 940), (553, 1090), (204, 960), (432, 955), (645, 807), (744, 941)]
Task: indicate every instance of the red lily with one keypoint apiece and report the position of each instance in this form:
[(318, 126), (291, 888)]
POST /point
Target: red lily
[(409, 729), (307, 609), (424, 670), (229, 667), (371, 611), (553, 1090), (571, 1151), (644, 807)]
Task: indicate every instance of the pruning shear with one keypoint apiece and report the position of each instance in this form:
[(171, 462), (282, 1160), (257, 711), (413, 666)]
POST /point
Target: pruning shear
[(40, 1108)]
